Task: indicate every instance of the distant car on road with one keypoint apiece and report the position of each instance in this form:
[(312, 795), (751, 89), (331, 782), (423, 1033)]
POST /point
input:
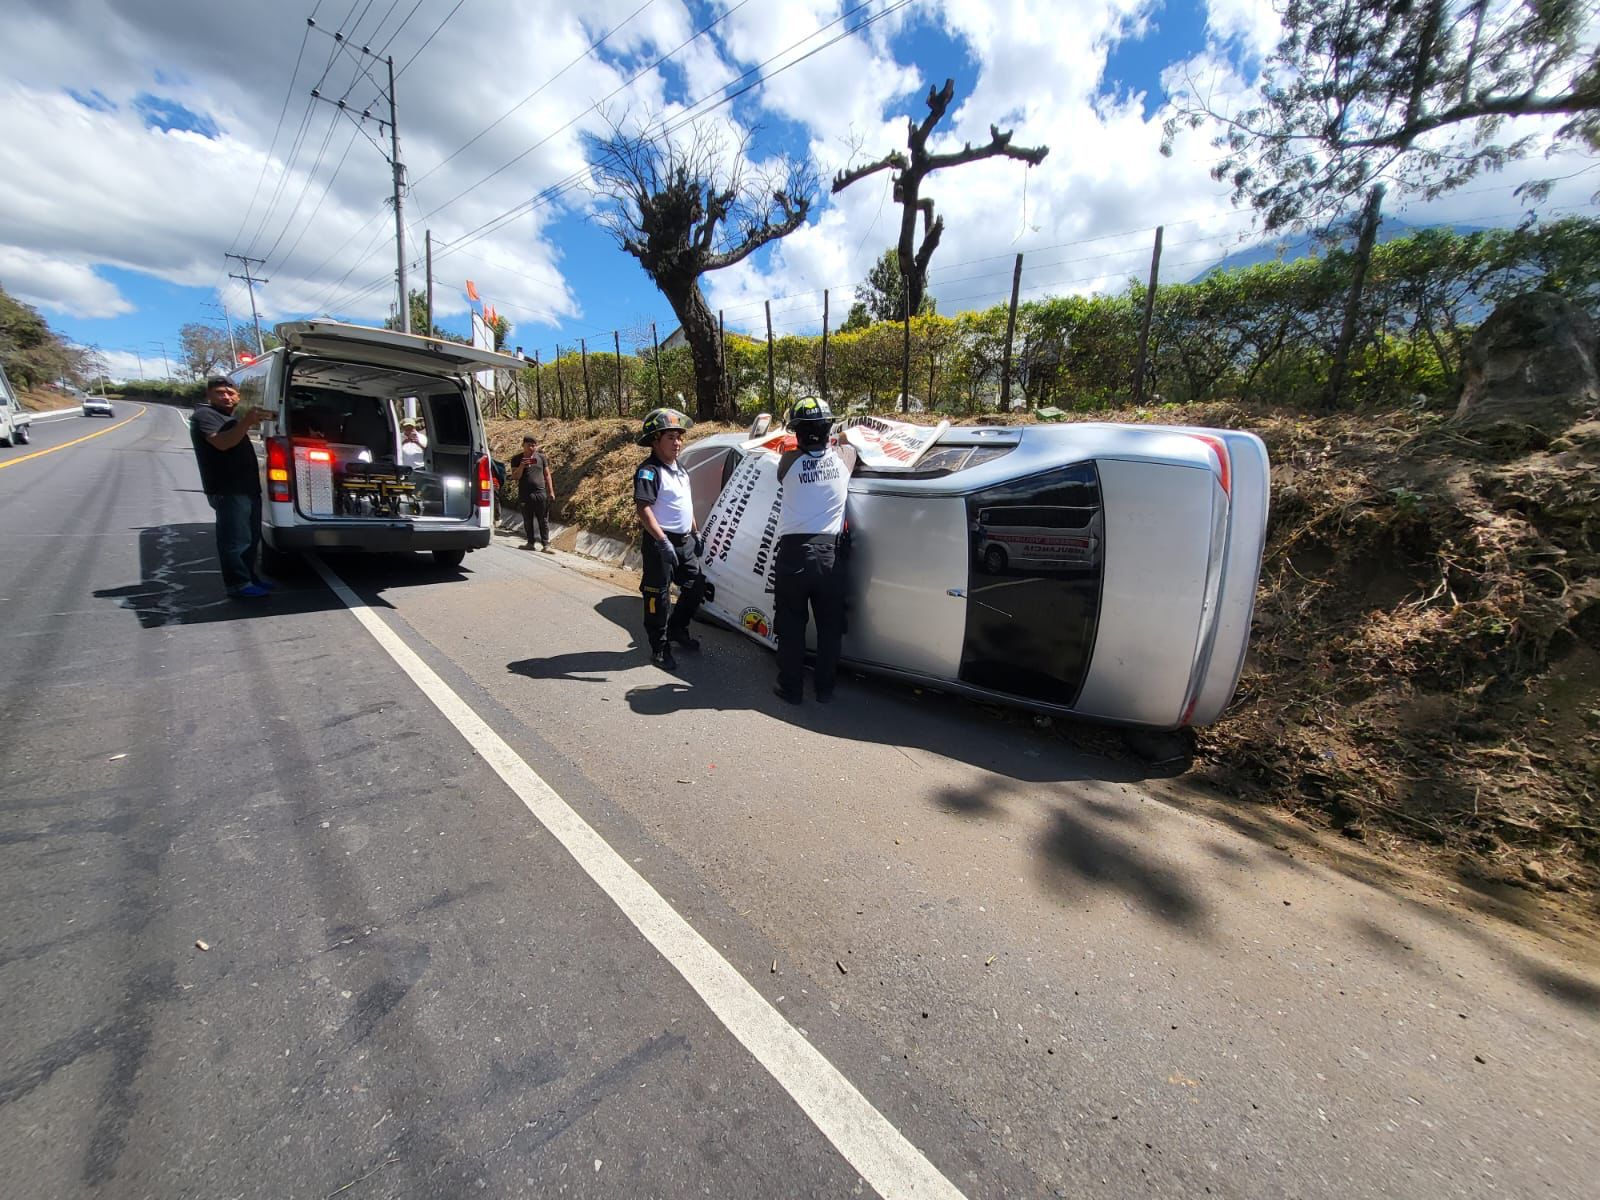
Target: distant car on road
[(1104, 571), (14, 419), (97, 406)]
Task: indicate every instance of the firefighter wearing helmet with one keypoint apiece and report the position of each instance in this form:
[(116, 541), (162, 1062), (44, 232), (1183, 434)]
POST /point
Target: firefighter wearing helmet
[(809, 574), (669, 538)]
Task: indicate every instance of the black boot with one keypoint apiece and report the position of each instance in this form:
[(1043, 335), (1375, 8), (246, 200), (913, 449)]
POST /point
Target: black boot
[(662, 657)]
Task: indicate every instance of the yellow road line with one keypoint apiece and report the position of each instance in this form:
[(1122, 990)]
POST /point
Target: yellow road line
[(11, 462)]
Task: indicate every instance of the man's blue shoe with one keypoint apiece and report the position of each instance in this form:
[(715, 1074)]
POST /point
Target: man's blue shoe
[(266, 585), (250, 591)]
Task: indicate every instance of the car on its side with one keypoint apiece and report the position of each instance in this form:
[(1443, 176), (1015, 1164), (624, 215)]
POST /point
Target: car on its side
[(1097, 570)]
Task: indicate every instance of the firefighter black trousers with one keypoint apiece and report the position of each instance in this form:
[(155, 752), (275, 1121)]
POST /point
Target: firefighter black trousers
[(808, 575), (661, 615)]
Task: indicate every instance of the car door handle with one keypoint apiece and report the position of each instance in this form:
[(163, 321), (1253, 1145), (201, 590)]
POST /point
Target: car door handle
[(958, 593)]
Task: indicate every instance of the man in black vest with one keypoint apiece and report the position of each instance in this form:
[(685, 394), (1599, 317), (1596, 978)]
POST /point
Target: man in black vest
[(669, 538), (230, 476)]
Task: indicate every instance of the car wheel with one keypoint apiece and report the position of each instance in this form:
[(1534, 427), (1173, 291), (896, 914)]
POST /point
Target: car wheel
[(449, 558), (5, 441), (994, 558), (21, 435)]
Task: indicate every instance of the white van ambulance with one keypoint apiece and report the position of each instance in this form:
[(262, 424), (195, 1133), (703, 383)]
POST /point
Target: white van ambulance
[(334, 475)]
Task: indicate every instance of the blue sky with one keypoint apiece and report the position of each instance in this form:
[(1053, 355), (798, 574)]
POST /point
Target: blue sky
[(141, 148)]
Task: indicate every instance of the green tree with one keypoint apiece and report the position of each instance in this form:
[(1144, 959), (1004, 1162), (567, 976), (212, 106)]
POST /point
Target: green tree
[(883, 295), (34, 354), (1414, 95), (419, 321), (204, 349)]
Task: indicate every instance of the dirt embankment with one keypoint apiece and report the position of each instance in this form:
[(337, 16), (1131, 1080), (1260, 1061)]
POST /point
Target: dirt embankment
[(1424, 673)]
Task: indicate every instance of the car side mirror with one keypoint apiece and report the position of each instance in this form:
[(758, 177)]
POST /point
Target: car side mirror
[(760, 425)]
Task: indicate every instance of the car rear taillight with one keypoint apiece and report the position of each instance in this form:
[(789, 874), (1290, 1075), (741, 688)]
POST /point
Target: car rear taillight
[(1220, 449), (278, 470), (485, 483)]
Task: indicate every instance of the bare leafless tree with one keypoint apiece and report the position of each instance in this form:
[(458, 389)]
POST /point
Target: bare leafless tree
[(688, 201), (911, 170)]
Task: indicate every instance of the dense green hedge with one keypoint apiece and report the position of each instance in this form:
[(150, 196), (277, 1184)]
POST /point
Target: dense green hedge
[(1259, 333)]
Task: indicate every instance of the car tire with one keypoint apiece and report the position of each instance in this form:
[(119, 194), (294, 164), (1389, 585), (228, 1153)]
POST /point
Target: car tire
[(4, 441), (994, 559), (448, 558), (21, 435)]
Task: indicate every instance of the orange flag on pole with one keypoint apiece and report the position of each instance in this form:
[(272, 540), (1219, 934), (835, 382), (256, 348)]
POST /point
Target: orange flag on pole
[(472, 290)]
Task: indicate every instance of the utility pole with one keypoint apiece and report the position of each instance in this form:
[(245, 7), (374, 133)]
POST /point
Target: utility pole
[(397, 166), (427, 241), (227, 321), (1142, 366), (250, 282), (399, 190), (1011, 329)]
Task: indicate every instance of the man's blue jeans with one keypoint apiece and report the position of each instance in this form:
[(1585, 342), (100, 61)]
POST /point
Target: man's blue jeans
[(238, 537)]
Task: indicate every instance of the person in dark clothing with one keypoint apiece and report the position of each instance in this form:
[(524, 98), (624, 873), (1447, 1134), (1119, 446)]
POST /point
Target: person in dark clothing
[(535, 489), (230, 476), (809, 572), (669, 538)]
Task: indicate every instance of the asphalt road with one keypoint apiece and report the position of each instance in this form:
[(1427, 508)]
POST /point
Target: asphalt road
[(1037, 973)]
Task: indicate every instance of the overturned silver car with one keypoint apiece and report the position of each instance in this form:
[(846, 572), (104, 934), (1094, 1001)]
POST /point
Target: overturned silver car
[(1104, 571)]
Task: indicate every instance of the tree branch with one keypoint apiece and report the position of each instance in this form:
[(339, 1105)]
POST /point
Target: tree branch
[(999, 146), (845, 178), (795, 210)]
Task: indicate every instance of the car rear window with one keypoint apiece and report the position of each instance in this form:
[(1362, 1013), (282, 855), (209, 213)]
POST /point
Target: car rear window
[(1036, 556)]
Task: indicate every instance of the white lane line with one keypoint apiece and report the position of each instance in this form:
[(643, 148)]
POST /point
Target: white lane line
[(868, 1141)]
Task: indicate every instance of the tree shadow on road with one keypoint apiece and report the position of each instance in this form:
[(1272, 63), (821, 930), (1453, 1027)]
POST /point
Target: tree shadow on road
[(1028, 777), (180, 583)]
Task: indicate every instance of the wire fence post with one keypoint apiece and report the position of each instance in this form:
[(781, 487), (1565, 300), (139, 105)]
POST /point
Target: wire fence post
[(1144, 324), (1011, 329), (538, 387), (905, 356), (561, 384), (823, 379), (722, 357), (588, 401), (616, 341), (772, 392), (657, 341)]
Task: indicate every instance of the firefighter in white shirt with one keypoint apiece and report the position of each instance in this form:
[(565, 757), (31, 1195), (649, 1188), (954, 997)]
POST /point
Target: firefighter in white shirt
[(669, 538), (814, 483)]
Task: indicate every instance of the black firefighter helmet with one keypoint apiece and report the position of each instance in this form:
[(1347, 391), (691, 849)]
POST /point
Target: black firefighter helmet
[(810, 420), (659, 420)]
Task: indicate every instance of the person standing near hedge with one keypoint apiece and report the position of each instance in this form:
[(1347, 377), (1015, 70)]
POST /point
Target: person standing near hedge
[(535, 488)]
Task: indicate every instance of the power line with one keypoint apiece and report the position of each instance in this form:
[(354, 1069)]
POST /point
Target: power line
[(667, 128), (276, 130), (417, 53), (593, 107), (590, 50)]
